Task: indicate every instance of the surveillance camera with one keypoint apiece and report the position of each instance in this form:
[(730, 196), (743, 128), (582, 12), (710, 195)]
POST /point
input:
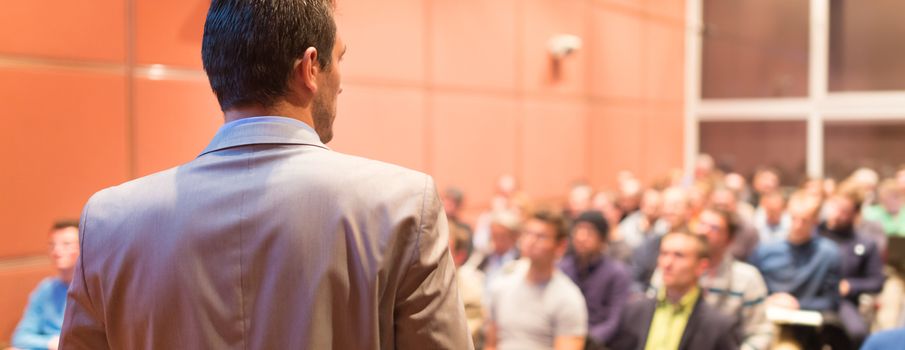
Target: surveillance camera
[(563, 45)]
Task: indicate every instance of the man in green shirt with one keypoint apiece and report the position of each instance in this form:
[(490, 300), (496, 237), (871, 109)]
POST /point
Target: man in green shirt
[(677, 318)]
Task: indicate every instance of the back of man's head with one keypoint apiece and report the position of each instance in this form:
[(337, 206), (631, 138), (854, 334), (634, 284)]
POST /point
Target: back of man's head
[(250, 47)]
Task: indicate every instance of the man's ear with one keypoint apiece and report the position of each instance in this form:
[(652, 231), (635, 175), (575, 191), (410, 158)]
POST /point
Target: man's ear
[(307, 69)]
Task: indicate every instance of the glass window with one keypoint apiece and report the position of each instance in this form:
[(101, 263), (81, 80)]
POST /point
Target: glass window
[(848, 145), (866, 46), (745, 146), (755, 48)]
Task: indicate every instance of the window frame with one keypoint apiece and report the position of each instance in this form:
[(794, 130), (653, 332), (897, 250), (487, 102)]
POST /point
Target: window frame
[(819, 106)]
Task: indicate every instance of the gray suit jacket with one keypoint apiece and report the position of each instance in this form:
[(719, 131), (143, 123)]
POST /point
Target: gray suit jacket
[(268, 240)]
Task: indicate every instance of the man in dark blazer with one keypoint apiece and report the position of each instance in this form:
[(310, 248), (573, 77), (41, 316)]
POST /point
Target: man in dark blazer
[(678, 317), (268, 239)]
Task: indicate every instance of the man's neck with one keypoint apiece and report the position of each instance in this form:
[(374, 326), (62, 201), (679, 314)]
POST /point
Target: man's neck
[(539, 273), (66, 275), (717, 258), (282, 109), (589, 259), (675, 294)]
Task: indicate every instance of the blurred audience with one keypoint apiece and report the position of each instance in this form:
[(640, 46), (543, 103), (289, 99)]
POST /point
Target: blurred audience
[(677, 318), (735, 288), (453, 199), (675, 218), (604, 281), (504, 231), (861, 263), (745, 237), (819, 249), (887, 212), (538, 307), (639, 226), (802, 272), (770, 218)]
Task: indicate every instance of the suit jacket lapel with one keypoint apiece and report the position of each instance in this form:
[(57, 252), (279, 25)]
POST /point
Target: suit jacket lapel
[(647, 315), (692, 324)]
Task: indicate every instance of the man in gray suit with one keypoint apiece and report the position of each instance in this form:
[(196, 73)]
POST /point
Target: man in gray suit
[(268, 240)]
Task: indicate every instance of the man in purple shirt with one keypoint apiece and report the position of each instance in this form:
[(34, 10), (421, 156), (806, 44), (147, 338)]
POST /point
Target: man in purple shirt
[(604, 282)]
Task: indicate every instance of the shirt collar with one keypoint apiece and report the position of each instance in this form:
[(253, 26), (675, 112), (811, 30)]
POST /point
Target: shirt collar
[(263, 130), (687, 300)]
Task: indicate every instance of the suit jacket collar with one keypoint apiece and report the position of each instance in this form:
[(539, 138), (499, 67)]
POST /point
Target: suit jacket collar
[(647, 313), (263, 130), (692, 324)]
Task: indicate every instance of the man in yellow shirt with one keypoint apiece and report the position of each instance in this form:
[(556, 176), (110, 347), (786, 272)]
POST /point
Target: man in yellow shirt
[(677, 318)]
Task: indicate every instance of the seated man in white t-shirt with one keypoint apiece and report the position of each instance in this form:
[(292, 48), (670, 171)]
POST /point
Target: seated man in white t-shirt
[(538, 307)]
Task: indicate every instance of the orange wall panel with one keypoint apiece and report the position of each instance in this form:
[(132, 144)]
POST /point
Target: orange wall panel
[(664, 135), (555, 148), (381, 123), (616, 142), (18, 282), (82, 30), (174, 121), (617, 70), (474, 141), (664, 62), (169, 31), (669, 9), (388, 34), (473, 43), (63, 139)]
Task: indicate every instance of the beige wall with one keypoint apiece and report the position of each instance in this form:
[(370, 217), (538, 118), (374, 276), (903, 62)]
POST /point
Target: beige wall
[(460, 89)]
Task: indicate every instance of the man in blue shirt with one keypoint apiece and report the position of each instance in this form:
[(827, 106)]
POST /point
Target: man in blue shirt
[(803, 271), (43, 319)]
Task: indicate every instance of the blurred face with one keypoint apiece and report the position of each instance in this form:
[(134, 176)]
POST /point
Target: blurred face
[(840, 213), (650, 204), (766, 182), (675, 210), (506, 185), (580, 199), (891, 201), (703, 167), (586, 241), (773, 207), (324, 105), (679, 261), (539, 243), (714, 228), (735, 182), (64, 248), (610, 211), (501, 238), (724, 199), (804, 217)]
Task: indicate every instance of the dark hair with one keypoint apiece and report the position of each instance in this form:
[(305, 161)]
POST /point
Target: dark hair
[(555, 221), (64, 223), (455, 194), (596, 220), (731, 219), (250, 46)]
